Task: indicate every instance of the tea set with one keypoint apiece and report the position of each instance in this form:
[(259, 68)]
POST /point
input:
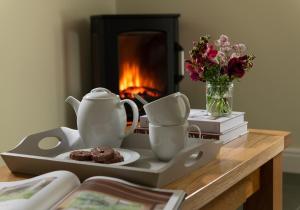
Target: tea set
[(102, 120)]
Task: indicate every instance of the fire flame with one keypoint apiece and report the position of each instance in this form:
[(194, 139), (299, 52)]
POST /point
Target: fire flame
[(132, 81)]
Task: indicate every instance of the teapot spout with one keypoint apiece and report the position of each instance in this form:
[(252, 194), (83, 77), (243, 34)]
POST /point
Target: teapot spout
[(73, 102)]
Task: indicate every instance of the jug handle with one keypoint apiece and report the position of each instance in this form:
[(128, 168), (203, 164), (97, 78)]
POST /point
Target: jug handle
[(100, 89), (135, 112)]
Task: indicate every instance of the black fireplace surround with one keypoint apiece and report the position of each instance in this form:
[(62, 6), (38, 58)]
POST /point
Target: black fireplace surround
[(136, 54)]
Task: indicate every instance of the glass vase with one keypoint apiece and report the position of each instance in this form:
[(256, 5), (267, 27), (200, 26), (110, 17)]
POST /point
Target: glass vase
[(219, 99)]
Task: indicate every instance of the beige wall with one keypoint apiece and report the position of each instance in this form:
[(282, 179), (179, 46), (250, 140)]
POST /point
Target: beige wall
[(43, 57), (270, 28)]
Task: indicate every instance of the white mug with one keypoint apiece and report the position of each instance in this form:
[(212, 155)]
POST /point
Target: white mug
[(167, 141), (173, 109)]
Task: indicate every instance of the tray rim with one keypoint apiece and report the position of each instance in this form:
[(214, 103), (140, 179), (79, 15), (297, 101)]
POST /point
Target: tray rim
[(123, 167), (77, 162), (24, 157)]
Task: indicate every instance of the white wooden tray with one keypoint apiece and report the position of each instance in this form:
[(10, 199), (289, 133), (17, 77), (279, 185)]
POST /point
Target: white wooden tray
[(28, 158)]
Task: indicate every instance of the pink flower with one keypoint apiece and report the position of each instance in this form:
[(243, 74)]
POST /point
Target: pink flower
[(194, 76), (211, 53), (189, 66), (195, 71)]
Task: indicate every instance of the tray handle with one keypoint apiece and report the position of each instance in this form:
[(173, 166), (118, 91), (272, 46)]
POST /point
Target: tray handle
[(69, 139), (195, 155)]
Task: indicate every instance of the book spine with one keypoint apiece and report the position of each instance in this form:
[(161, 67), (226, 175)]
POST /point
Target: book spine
[(204, 126), (214, 127), (144, 123), (191, 134)]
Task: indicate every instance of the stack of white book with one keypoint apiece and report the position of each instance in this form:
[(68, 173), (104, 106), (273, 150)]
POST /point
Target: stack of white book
[(224, 129)]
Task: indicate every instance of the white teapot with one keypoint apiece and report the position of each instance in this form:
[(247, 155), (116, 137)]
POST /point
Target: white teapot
[(101, 118)]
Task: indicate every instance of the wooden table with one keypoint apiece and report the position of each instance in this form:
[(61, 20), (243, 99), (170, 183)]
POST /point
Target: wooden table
[(248, 171)]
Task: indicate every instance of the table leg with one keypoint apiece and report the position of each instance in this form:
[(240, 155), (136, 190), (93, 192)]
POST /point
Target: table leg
[(269, 196)]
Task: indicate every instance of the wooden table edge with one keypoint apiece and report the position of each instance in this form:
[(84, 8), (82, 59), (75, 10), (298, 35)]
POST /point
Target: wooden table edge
[(286, 134), (191, 200), (8, 176)]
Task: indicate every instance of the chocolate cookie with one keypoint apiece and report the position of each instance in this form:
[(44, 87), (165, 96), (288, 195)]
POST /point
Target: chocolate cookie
[(102, 154), (117, 158), (81, 155)]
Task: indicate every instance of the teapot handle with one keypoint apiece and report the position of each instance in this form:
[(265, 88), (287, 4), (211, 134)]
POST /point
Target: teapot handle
[(135, 112), (100, 89)]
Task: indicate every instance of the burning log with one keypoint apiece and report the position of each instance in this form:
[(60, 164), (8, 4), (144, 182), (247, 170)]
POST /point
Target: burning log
[(145, 92)]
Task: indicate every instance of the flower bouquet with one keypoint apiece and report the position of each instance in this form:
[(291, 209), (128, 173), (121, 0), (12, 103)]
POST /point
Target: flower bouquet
[(218, 64)]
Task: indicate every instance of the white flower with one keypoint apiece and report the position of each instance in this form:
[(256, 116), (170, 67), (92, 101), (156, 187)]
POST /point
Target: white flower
[(224, 38), (239, 49), (234, 55), (226, 49), (223, 41), (222, 58)]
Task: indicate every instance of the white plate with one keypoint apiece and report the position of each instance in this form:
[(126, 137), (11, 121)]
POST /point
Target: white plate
[(129, 156)]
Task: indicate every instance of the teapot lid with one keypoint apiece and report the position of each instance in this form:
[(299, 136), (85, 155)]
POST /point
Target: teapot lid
[(100, 93)]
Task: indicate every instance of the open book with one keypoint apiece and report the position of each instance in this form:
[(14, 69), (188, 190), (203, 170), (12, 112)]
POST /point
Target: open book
[(61, 190)]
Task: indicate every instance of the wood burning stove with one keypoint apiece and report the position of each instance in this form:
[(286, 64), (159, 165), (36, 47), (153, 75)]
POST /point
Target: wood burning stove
[(136, 54)]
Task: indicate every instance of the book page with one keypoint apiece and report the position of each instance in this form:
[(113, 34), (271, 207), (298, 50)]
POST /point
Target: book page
[(109, 193), (38, 193)]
